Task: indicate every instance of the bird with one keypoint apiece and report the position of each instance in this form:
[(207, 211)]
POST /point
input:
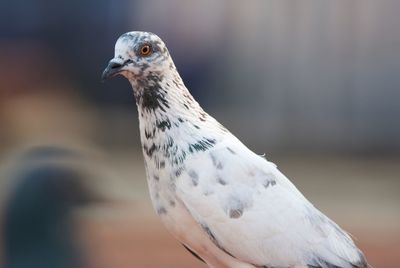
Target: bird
[(226, 204), (37, 228)]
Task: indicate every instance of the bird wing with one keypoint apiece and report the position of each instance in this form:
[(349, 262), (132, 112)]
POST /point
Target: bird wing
[(250, 210)]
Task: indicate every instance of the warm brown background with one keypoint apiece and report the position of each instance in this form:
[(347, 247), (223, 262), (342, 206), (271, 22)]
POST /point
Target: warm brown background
[(313, 84)]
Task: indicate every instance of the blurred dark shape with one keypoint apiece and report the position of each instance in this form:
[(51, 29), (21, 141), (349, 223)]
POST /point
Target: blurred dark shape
[(43, 152), (38, 227)]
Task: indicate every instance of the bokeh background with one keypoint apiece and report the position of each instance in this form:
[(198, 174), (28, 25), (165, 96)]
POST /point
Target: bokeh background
[(313, 84)]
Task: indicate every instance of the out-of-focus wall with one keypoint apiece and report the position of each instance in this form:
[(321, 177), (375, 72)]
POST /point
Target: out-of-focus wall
[(303, 74), (307, 73)]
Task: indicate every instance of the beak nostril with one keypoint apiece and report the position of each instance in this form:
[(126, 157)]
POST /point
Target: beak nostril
[(115, 65), (112, 69)]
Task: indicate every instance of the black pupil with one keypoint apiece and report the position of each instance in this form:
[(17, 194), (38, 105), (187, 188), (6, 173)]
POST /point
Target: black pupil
[(145, 49)]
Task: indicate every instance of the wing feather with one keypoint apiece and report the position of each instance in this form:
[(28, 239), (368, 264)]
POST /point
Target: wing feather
[(257, 215)]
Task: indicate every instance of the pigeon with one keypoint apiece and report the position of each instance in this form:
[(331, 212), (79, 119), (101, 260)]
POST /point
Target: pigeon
[(226, 204)]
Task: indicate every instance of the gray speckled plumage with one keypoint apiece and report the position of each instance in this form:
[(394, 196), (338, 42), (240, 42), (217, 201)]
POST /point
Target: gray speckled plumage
[(231, 207)]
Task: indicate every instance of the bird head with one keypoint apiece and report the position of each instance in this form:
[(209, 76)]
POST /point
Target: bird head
[(138, 55)]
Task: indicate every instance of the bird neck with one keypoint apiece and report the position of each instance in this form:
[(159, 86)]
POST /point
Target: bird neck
[(172, 124)]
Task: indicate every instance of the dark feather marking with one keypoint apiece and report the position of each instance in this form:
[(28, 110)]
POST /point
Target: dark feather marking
[(230, 150), (202, 145), (193, 253), (235, 213), (209, 233), (216, 162), (162, 164), (150, 151), (161, 211), (269, 183), (214, 239), (152, 97), (179, 171), (195, 177), (168, 145), (203, 116), (221, 181), (147, 134), (178, 158), (164, 124), (236, 206)]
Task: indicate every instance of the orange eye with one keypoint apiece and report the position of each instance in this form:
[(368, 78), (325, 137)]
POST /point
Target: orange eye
[(145, 50)]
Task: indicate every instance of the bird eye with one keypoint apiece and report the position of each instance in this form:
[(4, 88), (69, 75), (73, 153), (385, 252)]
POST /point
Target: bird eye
[(145, 50)]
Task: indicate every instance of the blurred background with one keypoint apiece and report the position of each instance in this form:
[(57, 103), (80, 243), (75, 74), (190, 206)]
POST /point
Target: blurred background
[(313, 84)]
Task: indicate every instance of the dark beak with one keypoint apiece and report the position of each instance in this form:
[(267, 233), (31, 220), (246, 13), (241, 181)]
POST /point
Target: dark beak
[(112, 69)]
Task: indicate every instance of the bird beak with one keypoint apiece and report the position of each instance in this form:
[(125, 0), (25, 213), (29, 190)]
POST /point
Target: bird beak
[(114, 67)]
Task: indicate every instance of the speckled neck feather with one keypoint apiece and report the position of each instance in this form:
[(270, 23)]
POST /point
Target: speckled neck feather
[(172, 123)]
